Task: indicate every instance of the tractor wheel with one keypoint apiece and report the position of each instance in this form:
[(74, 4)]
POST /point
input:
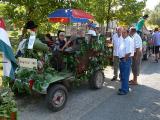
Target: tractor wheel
[(97, 80), (56, 97)]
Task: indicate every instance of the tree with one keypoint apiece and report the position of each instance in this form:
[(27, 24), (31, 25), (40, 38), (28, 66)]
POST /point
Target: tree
[(2, 9), (130, 11), (102, 10), (154, 17), (20, 11)]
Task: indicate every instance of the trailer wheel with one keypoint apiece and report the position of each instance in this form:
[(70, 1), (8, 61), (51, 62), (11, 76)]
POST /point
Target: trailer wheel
[(56, 97), (97, 80)]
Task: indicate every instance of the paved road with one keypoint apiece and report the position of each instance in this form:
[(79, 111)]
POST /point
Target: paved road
[(143, 103)]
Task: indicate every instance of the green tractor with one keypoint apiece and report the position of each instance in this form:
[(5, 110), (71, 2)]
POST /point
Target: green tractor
[(52, 73)]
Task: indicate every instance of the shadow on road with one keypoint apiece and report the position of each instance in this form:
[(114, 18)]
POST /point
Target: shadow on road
[(143, 103)]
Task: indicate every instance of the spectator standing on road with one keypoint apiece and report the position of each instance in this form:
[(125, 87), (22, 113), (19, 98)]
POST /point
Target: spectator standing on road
[(150, 43), (125, 52), (156, 40), (115, 40), (136, 63)]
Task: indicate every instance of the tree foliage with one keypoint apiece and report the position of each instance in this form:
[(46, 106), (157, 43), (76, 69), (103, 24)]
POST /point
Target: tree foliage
[(19, 11), (103, 10), (2, 9), (130, 11)]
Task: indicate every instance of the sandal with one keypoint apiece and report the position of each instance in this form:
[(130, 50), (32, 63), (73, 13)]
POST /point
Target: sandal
[(133, 82)]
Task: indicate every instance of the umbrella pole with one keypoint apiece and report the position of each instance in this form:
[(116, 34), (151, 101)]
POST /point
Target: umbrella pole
[(65, 28)]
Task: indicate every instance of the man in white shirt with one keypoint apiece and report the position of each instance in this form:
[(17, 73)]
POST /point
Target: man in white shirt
[(115, 41), (125, 53), (136, 63)]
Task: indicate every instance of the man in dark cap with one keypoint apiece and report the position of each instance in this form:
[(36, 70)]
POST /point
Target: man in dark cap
[(31, 25), (32, 28), (29, 42)]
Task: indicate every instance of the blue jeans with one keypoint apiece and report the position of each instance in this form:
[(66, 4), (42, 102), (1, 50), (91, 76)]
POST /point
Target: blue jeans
[(125, 67)]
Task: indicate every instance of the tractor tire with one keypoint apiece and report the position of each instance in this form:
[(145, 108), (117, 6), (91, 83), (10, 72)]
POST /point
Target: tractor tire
[(57, 97)]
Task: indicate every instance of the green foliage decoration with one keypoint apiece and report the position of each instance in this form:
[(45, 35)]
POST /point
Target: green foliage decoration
[(7, 102), (42, 78), (98, 61)]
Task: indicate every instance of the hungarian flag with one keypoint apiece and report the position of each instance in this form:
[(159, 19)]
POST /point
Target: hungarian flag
[(9, 62)]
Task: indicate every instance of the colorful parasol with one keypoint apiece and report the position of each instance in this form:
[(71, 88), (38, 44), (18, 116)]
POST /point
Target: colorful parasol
[(69, 16)]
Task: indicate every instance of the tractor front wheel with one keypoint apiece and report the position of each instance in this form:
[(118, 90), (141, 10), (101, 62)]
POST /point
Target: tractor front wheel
[(57, 97)]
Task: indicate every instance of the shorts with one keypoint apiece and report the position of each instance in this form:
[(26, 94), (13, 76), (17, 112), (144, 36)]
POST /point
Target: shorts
[(157, 49), (136, 65)]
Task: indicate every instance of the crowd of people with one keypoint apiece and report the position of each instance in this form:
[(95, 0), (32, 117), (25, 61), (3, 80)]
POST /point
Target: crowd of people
[(61, 42), (55, 44), (128, 48), (127, 52)]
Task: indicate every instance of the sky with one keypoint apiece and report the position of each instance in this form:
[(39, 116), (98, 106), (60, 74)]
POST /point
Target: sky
[(151, 4)]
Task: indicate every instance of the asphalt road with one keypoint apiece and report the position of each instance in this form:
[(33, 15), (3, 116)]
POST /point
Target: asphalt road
[(142, 103)]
